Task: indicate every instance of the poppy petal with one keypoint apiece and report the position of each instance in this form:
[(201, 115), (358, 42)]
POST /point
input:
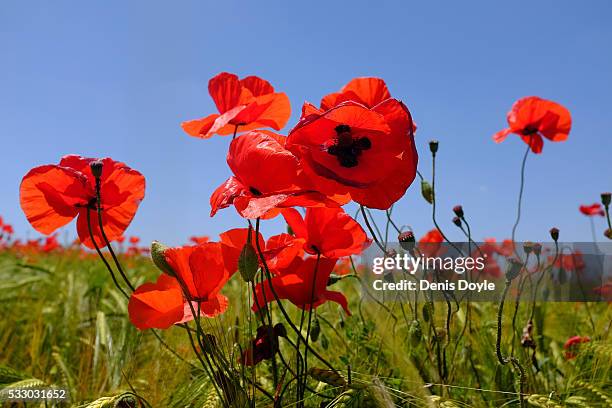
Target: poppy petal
[(225, 90), (50, 196)]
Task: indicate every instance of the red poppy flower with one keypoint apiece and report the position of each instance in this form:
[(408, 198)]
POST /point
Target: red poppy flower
[(569, 261), (266, 177), (330, 232), (592, 210), (533, 117), (8, 229), (279, 251), (572, 344), (365, 150), (430, 243), (202, 271), (157, 305), (53, 195), (506, 248), (296, 285), (134, 240), (249, 103)]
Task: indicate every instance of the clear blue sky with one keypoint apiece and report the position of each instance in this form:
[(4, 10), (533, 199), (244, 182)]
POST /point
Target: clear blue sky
[(116, 79)]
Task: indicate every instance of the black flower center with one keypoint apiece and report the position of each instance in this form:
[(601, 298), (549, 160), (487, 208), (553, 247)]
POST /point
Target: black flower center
[(347, 148), (530, 130)]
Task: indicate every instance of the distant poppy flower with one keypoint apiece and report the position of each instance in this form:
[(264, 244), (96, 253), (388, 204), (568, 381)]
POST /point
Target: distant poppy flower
[(266, 177), (248, 103), (430, 243), (572, 345), (202, 271), (532, 117), (350, 148), (199, 240), (490, 245), (297, 285), (8, 229), (51, 244), (330, 232), (53, 195), (592, 210), (264, 346), (569, 261)]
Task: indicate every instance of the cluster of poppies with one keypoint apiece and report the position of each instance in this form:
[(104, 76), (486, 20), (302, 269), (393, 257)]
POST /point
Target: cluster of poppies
[(356, 145)]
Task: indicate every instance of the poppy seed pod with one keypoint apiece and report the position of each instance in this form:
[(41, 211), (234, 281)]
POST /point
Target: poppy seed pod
[(606, 198), (457, 221), (554, 233), (96, 167), (537, 249), (458, 210), (159, 258), (528, 247), (513, 269), (433, 146)]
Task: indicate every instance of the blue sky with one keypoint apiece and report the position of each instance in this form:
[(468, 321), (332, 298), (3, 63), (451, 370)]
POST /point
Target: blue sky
[(117, 78)]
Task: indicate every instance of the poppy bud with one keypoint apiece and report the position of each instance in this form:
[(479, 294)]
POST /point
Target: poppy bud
[(333, 278), (528, 247), (406, 240), (513, 269), (433, 146), (427, 311), (608, 233), (96, 168), (415, 333), (327, 376), (315, 330), (427, 191), (457, 221), (537, 249), (458, 210), (248, 262), (159, 258), (606, 198), (554, 233)]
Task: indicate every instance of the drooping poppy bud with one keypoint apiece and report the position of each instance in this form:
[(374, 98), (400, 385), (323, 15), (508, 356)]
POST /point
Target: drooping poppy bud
[(427, 191), (159, 258), (327, 376), (458, 210), (433, 146), (606, 198), (513, 269), (457, 221), (608, 233), (96, 167), (554, 233), (248, 262), (315, 330)]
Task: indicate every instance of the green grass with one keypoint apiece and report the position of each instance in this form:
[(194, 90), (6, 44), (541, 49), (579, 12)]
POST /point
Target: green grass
[(64, 324)]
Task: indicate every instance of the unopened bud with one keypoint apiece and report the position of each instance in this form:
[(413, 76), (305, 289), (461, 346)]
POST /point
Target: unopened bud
[(528, 247), (427, 191), (606, 198), (433, 146), (248, 262), (158, 257), (279, 330), (554, 234), (513, 269), (608, 233), (457, 221), (96, 168), (458, 210)]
